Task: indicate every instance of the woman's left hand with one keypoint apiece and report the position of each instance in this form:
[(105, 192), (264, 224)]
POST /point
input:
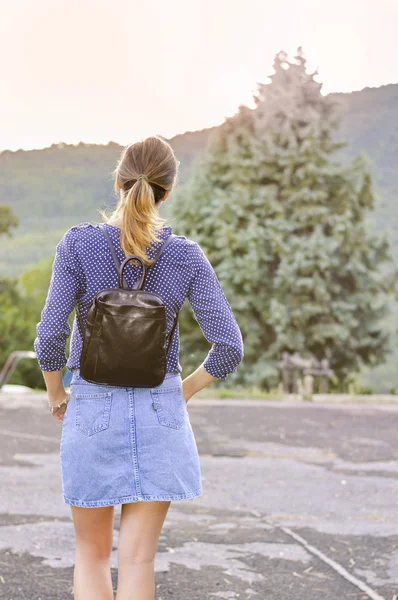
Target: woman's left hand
[(59, 414)]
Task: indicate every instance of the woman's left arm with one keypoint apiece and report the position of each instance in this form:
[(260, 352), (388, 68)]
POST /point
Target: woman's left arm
[(56, 392), (53, 329)]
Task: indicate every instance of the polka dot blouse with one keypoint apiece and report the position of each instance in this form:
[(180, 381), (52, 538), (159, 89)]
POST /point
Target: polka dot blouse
[(83, 265)]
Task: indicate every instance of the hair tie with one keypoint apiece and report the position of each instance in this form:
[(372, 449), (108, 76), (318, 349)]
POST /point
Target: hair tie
[(142, 176)]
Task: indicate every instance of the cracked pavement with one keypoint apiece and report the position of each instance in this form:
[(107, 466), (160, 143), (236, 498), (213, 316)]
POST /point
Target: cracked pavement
[(300, 501)]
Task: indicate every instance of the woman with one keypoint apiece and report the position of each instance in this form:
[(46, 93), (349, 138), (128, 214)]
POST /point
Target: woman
[(118, 448)]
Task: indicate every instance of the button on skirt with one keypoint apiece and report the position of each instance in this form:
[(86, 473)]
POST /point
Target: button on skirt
[(121, 445)]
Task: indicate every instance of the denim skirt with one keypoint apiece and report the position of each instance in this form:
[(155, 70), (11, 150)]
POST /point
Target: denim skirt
[(121, 445)]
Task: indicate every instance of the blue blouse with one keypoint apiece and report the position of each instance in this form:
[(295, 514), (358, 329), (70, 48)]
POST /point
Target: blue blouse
[(83, 265)]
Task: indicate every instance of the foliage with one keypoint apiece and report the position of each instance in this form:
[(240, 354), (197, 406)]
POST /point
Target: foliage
[(283, 223), (21, 300), (16, 328), (7, 220)]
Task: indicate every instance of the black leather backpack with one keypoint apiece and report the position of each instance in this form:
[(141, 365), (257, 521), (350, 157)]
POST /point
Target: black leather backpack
[(124, 341)]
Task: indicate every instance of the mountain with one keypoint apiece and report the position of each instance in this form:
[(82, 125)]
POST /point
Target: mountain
[(369, 123), (51, 189)]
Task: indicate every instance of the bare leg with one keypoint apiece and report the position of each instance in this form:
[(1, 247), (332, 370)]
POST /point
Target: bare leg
[(94, 536), (140, 527)]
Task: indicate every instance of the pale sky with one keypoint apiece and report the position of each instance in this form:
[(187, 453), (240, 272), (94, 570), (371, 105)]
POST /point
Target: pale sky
[(120, 70)]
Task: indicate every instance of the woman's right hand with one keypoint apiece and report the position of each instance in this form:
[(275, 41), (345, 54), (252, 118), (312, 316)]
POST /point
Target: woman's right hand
[(196, 381), (185, 391)]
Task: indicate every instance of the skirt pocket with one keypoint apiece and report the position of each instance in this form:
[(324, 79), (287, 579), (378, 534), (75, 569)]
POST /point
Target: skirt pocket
[(170, 406), (93, 411)]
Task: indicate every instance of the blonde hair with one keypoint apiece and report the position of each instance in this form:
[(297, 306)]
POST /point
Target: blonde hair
[(139, 198)]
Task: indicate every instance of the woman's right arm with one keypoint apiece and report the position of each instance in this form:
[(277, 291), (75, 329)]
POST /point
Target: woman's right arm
[(218, 324)]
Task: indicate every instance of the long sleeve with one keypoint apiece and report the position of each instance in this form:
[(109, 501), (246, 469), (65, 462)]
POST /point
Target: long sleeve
[(53, 329), (214, 315)]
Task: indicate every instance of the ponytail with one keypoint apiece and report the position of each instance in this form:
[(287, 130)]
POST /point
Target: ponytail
[(145, 172), (140, 220)]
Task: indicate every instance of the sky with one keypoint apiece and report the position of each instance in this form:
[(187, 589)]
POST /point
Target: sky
[(120, 70)]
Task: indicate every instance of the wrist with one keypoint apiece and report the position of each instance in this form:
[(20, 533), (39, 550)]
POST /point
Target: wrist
[(187, 389), (55, 399), (54, 408)]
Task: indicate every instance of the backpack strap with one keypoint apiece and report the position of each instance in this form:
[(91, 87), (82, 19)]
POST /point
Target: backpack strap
[(113, 251), (170, 336), (167, 241), (80, 320)]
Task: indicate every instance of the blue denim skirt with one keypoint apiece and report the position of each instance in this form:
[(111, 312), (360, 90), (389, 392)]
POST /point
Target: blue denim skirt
[(121, 445)]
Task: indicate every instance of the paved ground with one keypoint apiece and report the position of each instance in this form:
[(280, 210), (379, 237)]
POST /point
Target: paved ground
[(300, 503)]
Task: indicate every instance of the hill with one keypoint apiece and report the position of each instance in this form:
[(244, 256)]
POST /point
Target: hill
[(51, 189)]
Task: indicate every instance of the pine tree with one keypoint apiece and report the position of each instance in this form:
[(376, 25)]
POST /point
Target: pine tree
[(283, 223)]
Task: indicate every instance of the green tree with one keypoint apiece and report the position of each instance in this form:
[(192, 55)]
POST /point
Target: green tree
[(283, 223), (21, 300), (7, 220)]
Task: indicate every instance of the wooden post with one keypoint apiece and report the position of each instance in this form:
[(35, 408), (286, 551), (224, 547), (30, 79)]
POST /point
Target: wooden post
[(294, 368), (324, 384)]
